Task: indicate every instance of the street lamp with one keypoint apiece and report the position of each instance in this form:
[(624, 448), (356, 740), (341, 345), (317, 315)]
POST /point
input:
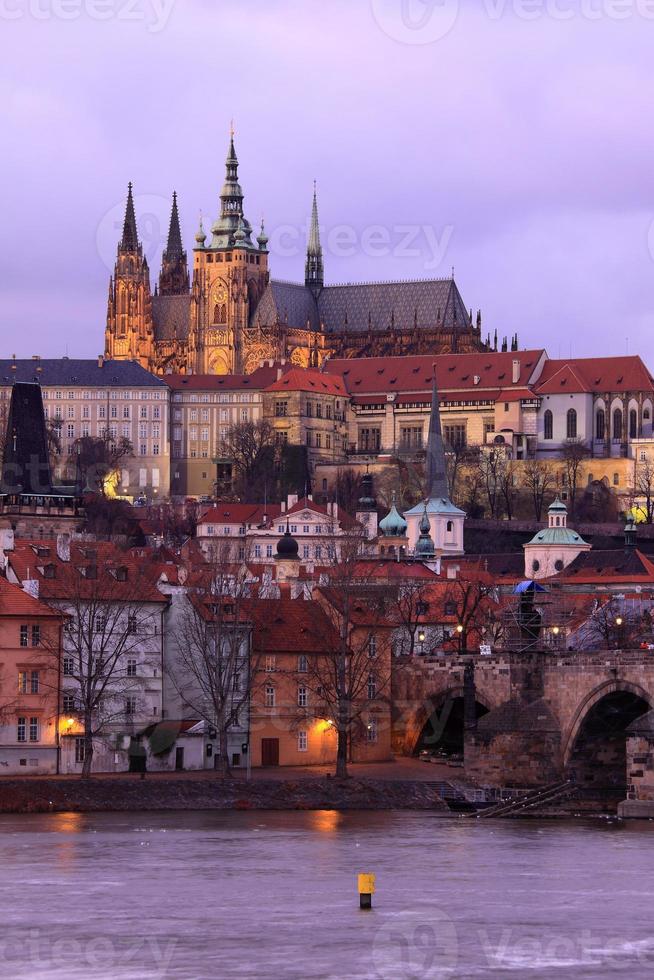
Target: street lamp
[(421, 636), (459, 630), (618, 620)]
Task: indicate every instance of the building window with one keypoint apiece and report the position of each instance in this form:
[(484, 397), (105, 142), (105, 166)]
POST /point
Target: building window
[(36, 635), (455, 435), (633, 424), (21, 730), (370, 440), (372, 687), (281, 409), (270, 664), (270, 696), (600, 424), (68, 703), (411, 437), (372, 646), (571, 424), (131, 668), (302, 741), (130, 706), (548, 425), (34, 729), (69, 666), (302, 664), (371, 730), (616, 479), (617, 425), (79, 750), (24, 633), (34, 682), (302, 696)]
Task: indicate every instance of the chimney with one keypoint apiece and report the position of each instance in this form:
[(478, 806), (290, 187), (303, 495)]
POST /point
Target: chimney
[(335, 511), (31, 586), (515, 377), (100, 361), (279, 372), (63, 547), (283, 506)]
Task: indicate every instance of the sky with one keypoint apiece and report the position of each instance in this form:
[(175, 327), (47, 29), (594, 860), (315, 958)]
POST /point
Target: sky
[(510, 140)]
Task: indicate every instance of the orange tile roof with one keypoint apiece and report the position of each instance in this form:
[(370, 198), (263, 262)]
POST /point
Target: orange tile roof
[(260, 378), (240, 513), (454, 372), (595, 374), (14, 601), (300, 379)]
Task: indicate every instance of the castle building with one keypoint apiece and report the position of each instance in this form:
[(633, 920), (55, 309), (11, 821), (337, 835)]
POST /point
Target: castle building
[(228, 315)]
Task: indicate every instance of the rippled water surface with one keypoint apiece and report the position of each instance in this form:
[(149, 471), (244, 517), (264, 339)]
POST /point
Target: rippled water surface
[(273, 895)]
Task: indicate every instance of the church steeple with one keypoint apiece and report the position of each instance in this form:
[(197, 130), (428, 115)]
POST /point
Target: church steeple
[(436, 471), (231, 205), (130, 241), (173, 278), (314, 276)]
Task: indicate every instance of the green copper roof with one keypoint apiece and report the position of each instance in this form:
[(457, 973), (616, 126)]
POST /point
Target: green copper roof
[(557, 535), (393, 525)]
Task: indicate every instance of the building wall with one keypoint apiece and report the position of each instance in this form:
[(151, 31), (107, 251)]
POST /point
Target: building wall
[(307, 419), (29, 756)]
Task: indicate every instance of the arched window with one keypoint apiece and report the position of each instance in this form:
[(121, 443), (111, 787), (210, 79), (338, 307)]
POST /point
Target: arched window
[(548, 425), (558, 565), (600, 424), (617, 424), (633, 424), (571, 424), (535, 565), (646, 414), (450, 526)]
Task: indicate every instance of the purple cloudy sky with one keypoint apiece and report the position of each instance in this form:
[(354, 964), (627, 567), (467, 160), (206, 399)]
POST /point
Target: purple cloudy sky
[(511, 139)]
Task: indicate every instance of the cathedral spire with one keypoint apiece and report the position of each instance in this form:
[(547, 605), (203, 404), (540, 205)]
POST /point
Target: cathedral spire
[(231, 205), (314, 276), (436, 471), (174, 277), (174, 246), (129, 241)]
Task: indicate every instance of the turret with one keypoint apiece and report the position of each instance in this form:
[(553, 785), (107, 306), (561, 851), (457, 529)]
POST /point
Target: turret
[(314, 277), (173, 278)]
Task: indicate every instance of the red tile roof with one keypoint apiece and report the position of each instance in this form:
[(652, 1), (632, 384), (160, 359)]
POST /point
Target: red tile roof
[(595, 374), (240, 513), (289, 626), (14, 601), (301, 379), (260, 378), (454, 372)]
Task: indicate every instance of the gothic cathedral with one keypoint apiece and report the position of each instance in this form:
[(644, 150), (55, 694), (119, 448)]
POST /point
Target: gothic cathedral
[(231, 315)]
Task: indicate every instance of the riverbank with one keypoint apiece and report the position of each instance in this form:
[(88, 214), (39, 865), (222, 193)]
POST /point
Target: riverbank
[(211, 792)]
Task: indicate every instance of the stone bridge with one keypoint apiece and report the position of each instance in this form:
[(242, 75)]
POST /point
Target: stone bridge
[(526, 719)]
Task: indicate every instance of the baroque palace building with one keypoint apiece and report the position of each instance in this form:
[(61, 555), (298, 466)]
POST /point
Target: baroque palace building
[(227, 315)]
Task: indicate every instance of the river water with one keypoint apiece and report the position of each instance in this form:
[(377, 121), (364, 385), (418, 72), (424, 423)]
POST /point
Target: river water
[(273, 895)]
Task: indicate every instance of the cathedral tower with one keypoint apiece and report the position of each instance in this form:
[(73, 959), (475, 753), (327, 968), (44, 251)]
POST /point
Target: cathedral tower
[(230, 273), (129, 332), (173, 278), (314, 274)]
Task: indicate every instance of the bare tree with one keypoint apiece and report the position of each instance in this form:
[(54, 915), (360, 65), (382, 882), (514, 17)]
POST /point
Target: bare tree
[(99, 458), (612, 625), (111, 616), (644, 488), (492, 464), (214, 664), (538, 481), (352, 678), (251, 448), (506, 479), (573, 453), (473, 601), (410, 606)]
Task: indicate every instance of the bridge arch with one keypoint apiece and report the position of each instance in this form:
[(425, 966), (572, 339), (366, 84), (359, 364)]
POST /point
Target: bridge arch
[(437, 723), (595, 749)]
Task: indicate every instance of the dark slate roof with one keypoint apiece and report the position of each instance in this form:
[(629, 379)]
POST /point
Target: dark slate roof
[(25, 465), (515, 716), (75, 371), (287, 302), (426, 303), (171, 316)]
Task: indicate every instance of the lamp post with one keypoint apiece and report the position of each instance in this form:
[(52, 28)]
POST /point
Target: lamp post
[(459, 630)]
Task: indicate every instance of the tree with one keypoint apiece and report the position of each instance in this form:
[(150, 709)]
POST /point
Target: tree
[(644, 488), (410, 605), (98, 459), (348, 489), (612, 625), (112, 617), (573, 453), (250, 447), (506, 479), (473, 600), (538, 481), (492, 464), (213, 664), (352, 678)]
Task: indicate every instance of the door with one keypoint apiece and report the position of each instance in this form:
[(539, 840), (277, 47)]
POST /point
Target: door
[(179, 758), (269, 751)]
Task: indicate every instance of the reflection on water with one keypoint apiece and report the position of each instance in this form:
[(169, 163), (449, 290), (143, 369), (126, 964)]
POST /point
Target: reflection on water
[(273, 895)]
